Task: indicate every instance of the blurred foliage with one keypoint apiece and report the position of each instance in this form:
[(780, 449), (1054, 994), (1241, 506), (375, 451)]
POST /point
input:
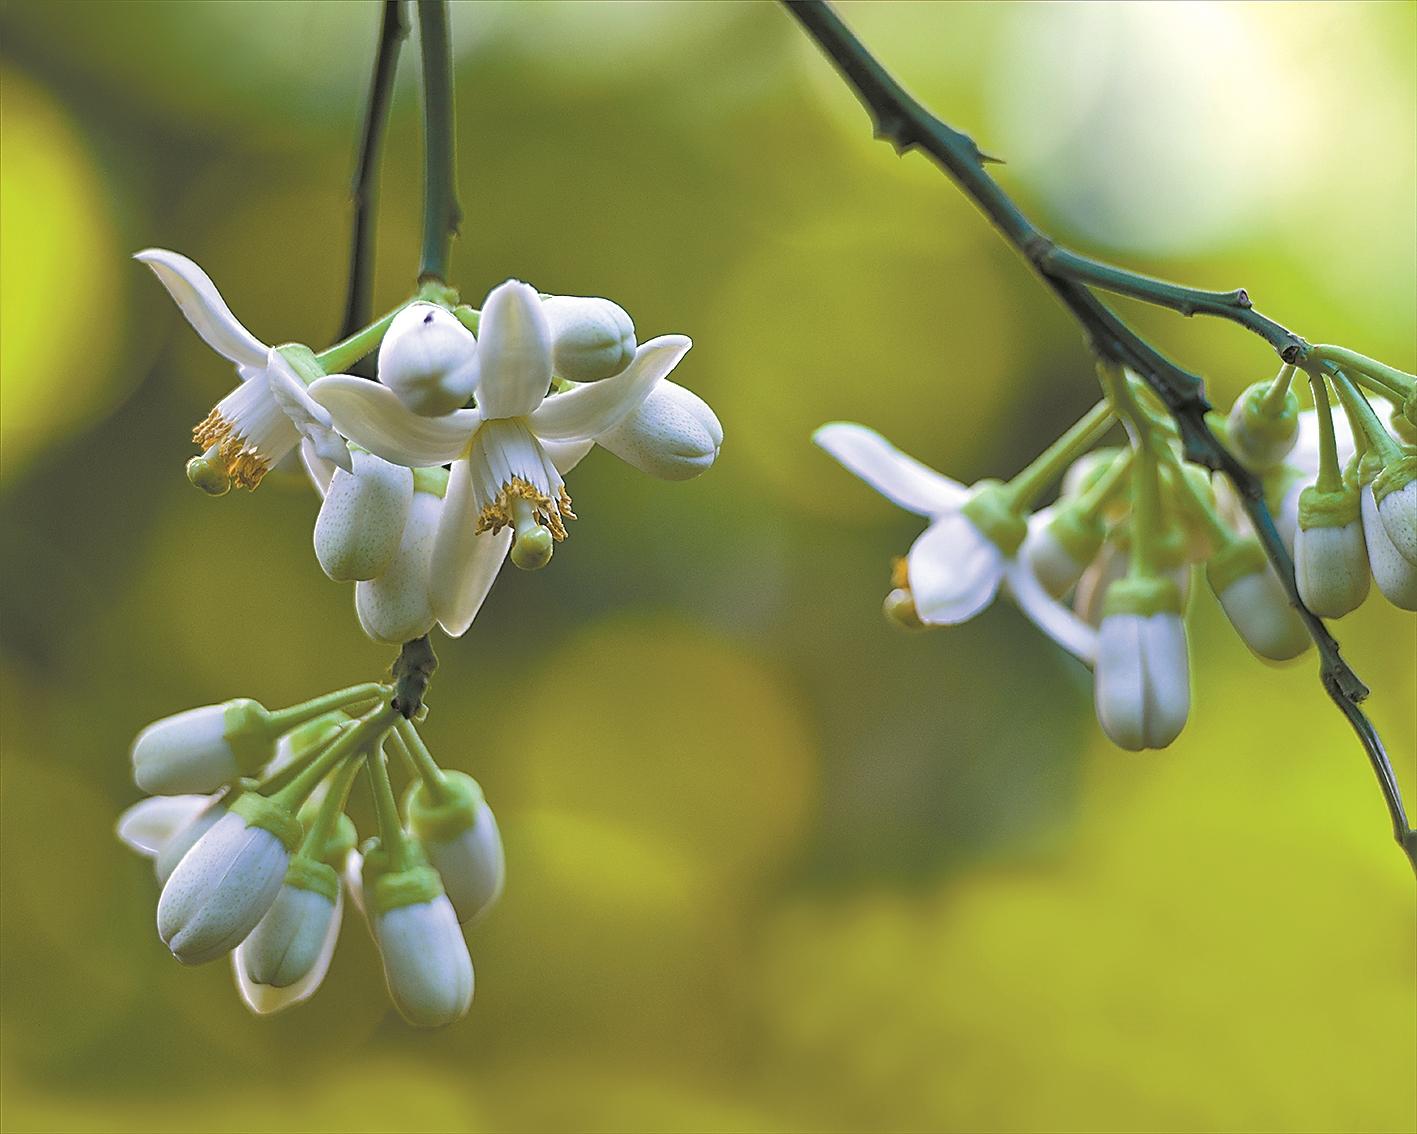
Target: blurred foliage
[(772, 865)]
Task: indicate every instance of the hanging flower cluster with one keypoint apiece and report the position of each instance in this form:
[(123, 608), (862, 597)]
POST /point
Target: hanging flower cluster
[(430, 478), (250, 841), (1106, 569)]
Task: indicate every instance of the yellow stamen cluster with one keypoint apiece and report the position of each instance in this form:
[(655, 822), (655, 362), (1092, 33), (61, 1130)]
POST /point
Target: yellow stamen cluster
[(498, 515), (243, 464)]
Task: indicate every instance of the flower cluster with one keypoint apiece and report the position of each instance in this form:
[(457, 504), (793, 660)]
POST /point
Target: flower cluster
[(456, 457), (247, 829), (1106, 569)]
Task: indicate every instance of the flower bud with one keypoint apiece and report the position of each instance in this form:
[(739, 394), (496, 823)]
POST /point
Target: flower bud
[(1142, 684), (1395, 492), (395, 607), (426, 963), (672, 434), (1330, 555), (202, 749), (286, 956), (1259, 437), (225, 884), (591, 338), (362, 519), (1061, 542), (460, 837), (151, 825), (425, 357), (1395, 575), (1256, 603)]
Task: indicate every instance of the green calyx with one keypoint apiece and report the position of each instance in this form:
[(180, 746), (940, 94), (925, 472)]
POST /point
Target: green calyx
[(991, 510), (1396, 475), (248, 732), (1264, 417), (433, 481), (1077, 533), (317, 877), (259, 811), (468, 317), (303, 361), (442, 820), (432, 290), (341, 839), (400, 888), (1320, 509), (1142, 595), (1233, 562)]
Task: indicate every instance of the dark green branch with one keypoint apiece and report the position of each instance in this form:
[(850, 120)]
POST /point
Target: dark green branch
[(413, 670), (907, 125), (359, 300), (441, 213)]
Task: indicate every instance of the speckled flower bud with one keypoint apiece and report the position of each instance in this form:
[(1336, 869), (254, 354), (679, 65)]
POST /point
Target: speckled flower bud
[(672, 434), (1259, 436), (460, 837), (1395, 491), (591, 338), (395, 607), (202, 749), (288, 953), (426, 962), (1394, 573), (363, 517), (1330, 554), (425, 358), (1256, 603), (1142, 680)]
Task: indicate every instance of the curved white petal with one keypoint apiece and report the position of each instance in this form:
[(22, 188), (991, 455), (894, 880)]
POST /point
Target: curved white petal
[(264, 999), (306, 414), (203, 306), (147, 826), (319, 470), (1049, 615), (465, 563), (954, 571), (900, 478), (566, 455), (371, 415), (513, 359), (596, 407)]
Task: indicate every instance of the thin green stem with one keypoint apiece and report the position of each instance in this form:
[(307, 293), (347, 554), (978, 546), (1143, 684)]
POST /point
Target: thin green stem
[(349, 741), (1363, 420), (364, 192), (330, 809), (284, 720), (1330, 478), (345, 353), (441, 213), (1106, 487), (1399, 381), (1086, 432), (1277, 395), (427, 768), (386, 810)]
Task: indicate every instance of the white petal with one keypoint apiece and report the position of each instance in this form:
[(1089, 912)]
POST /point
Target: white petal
[(1119, 685), (566, 455), (954, 571), (592, 409), (319, 470), (1259, 609), (362, 520), (147, 826), (264, 1000), (1050, 616), (1165, 660), (202, 304), (1331, 568), (513, 359), (371, 415), (1395, 575), (901, 479), (1398, 511), (672, 434), (395, 607), (307, 415), (465, 563)]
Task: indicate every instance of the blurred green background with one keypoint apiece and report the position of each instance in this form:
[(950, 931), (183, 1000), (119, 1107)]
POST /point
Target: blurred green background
[(772, 866)]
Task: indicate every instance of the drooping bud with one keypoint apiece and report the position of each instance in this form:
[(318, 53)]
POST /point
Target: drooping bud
[(1255, 602), (202, 749), (1262, 434), (1142, 685), (425, 359), (363, 517), (1330, 554), (395, 607), (591, 338), (460, 837), (672, 434), (1061, 542), (1395, 492), (225, 884), (426, 962), (1395, 575), (286, 956)]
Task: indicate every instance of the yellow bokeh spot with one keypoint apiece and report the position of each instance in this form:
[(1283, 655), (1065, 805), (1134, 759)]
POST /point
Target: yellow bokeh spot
[(60, 302)]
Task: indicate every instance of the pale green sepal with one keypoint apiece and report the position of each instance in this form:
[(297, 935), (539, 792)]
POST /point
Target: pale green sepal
[(258, 811), (991, 510), (1396, 475), (317, 877), (444, 820), (303, 361), (1234, 561), (247, 729), (436, 291), (405, 888), (469, 317), (343, 838), (433, 481), (1143, 596), (1319, 509)]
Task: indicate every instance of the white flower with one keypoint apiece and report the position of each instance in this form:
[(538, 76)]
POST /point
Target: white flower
[(460, 837), (953, 570), (201, 749), (266, 416), (424, 359), (224, 885), (591, 338), (426, 962), (285, 958), (672, 434), (1142, 684), (362, 519), (1330, 554), (505, 471), (1394, 573)]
